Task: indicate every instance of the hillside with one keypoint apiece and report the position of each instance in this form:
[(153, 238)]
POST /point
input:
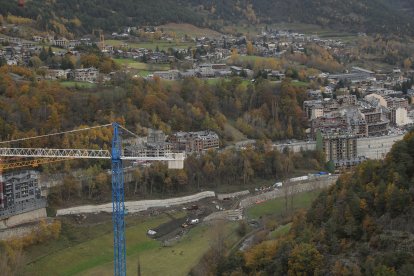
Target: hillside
[(373, 16), (361, 226)]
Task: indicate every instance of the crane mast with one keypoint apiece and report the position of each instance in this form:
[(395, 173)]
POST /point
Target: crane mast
[(175, 161), (118, 204)]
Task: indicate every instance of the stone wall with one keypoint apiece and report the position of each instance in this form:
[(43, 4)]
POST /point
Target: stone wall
[(136, 206), (16, 232), (23, 218), (297, 146), (377, 147), (232, 195), (298, 187)]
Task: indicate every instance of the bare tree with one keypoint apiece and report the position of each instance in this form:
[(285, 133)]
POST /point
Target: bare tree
[(139, 267), (286, 191), (11, 260)]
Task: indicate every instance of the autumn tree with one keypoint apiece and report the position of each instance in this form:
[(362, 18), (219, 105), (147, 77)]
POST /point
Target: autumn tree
[(250, 48), (305, 259)]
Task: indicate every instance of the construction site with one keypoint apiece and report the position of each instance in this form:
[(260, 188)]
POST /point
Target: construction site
[(170, 222)]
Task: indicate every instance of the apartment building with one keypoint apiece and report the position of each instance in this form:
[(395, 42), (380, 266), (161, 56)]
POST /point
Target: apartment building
[(20, 193), (85, 74), (341, 150), (194, 141)]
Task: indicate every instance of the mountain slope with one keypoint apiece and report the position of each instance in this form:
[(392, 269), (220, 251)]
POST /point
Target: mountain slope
[(375, 16), (361, 226)]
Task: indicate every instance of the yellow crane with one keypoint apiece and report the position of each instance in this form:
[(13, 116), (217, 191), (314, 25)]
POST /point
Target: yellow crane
[(28, 163)]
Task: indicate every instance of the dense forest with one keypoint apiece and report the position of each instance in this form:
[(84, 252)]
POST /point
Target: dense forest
[(373, 16), (363, 225)]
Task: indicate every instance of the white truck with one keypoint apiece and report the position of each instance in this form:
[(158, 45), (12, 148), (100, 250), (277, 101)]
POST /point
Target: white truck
[(278, 185)]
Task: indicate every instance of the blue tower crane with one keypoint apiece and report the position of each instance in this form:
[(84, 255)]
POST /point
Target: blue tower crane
[(118, 204)]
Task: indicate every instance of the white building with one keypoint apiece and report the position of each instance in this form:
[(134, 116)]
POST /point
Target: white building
[(85, 74), (317, 111), (168, 75), (57, 74), (401, 116), (62, 42)]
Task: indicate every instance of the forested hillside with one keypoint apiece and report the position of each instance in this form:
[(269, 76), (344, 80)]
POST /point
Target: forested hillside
[(374, 16), (361, 226), (260, 111), (263, 111)]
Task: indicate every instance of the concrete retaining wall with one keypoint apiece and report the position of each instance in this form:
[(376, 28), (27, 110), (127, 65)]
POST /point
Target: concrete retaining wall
[(16, 232), (377, 147), (232, 195), (23, 218), (136, 206), (297, 146), (299, 187)]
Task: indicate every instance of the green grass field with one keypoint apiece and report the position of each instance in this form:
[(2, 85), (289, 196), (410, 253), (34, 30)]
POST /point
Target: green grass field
[(88, 250), (71, 254), (80, 84), (182, 29), (129, 63), (277, 206), (156, 260), (162, 44), (171, 261), (255, 58), (280, 231), (300, 83)]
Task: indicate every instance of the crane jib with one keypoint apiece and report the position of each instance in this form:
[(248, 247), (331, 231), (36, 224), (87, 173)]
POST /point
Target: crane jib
[(83, 153)]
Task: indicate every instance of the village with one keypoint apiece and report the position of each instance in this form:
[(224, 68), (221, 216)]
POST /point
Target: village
[(180, 57), (353, 112)]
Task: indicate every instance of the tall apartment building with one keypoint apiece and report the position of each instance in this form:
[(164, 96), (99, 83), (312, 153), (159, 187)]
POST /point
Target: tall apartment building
[(396, 109), (376, 123), (154, 145), (341, 150), (85, 74), (194, 141), (155, 136), (20, 193)]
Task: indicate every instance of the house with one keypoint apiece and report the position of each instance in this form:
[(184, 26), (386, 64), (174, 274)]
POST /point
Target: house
[(239, 71), (28, 44), (194, 141), (205, 71), (276, 75), (37, 38), (12, 61), (13, 40), (85, 74), (61, 42), (57, 74), (73, 43), (168, 75)]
